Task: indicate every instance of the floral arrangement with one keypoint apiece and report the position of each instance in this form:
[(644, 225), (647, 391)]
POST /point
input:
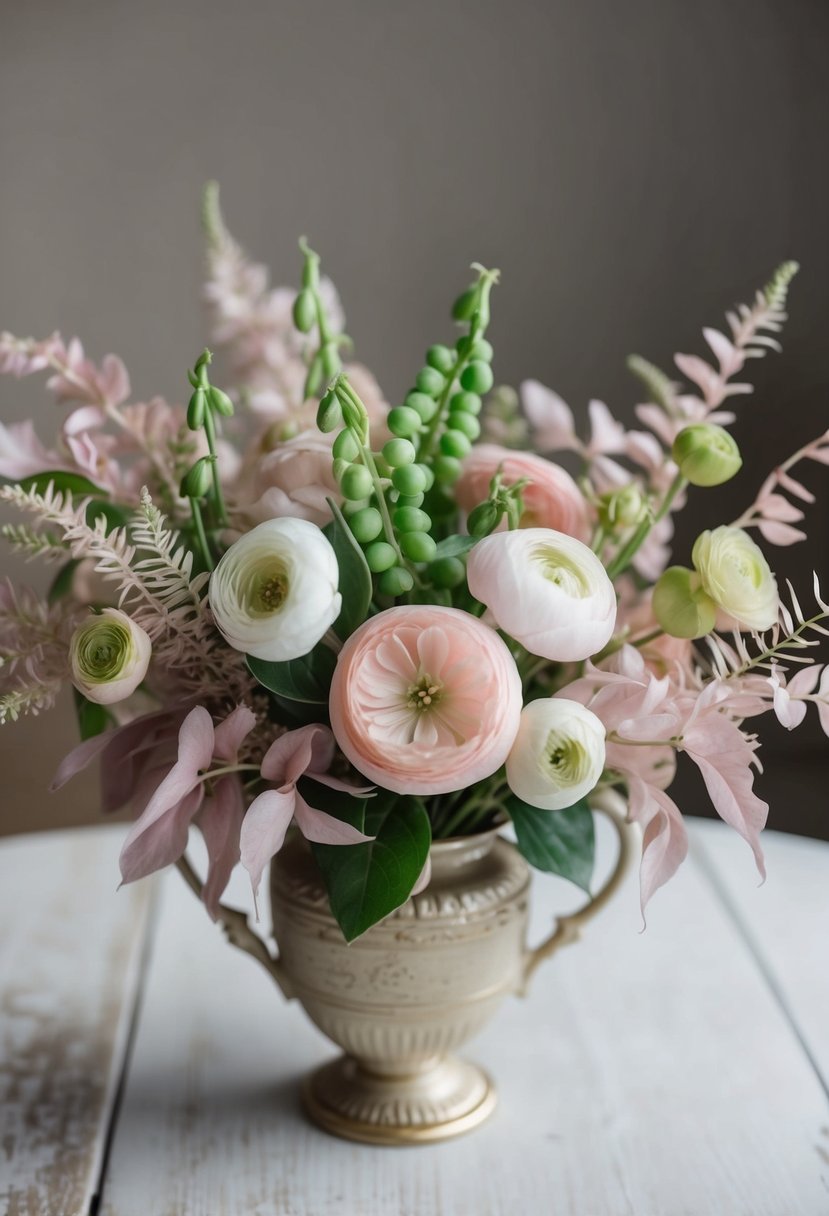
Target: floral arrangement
[(286, 605)]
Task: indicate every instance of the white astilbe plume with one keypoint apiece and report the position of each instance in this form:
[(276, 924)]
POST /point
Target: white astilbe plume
[(34, 649), (46, 546), (151, 570), (787, 640)]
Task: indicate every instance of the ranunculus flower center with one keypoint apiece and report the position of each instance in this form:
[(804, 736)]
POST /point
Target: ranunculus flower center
[(273, 589), (560, 569), (424, 694)]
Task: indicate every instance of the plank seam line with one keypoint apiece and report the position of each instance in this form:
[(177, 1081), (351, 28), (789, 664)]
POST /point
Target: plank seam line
[(145, 959), (701, 855)]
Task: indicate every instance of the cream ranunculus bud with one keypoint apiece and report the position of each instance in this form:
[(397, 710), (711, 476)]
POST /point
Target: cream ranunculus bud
[(109, 655), (547, 590), (736, 575), (274, 593), (680, 605), (706, 454), (558, 755), (622, 508)]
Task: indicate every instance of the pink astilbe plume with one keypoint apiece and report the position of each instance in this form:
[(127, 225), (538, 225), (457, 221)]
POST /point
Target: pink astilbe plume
[(34, 650), (771, 513)]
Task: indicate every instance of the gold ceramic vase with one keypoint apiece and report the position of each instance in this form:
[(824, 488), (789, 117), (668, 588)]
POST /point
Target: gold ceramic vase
[(402, 998)]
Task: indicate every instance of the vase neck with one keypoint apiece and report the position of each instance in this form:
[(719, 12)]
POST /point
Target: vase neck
[(459, 852)]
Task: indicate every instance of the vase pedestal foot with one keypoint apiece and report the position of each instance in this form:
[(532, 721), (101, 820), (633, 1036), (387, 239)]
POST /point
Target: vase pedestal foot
[(442, 1099)]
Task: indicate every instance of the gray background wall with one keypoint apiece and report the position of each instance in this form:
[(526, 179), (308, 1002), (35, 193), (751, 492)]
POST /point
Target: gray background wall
[(634, 168)]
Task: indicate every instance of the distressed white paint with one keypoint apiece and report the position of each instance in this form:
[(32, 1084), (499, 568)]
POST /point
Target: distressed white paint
[(649, 1075), (69, 965)]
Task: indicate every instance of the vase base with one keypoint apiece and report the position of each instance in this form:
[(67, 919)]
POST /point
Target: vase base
[(448, 1099)]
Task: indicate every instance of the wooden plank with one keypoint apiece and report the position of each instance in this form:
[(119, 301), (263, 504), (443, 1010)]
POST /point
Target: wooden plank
[(646, 1074), (786, 922), (70, 955)]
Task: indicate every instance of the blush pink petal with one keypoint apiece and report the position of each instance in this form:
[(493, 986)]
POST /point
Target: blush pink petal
[(263, 831), (220, 820), (322, 828), (551, 499), (161, 841), (231, 733), (664, 839)]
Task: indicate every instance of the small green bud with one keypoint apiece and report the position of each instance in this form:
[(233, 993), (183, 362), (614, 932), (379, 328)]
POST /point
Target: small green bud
[(428, 473), (398, 452), (411, 519), (418, 546), (346, 446), (430, 381), (706, 454), (405, 421), (220, 402), (380, 556), (466, 403), (477, 377), (454, 443), (622, 508), (680, 605), (409, 479), (467, 424), (350, 509), (329, 413), (447, 572), (440, 358), (366, 525), (356, 482), (483, 350), (340, 468), (313, 380), (410, 500), (305, 311), (330, 360), (447, 469), (195, 409), (396, 581), (483, 519), (197, 481), (423, 405), (466, 304)]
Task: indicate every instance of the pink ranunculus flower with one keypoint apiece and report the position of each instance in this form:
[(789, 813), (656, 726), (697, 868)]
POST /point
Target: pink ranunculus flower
[(551, 500), (294, 478), (545, 589), (425, 699)]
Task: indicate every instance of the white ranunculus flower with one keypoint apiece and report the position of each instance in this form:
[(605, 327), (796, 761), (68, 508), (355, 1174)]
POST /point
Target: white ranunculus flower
[(109, 655), (558, 754), (274, 592), (736, 576), (545, 589)]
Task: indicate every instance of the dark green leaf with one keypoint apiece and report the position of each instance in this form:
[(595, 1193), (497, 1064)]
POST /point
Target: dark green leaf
[(93, 719), (455, 546), (366, 882), (559, 842), (115, 515), (350, 808), (307, 679), (63, 481), (62, 582), (355, 576)]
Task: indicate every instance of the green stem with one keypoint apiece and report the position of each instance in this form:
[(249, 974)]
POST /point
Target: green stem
[(623, 559), (201, 535), (216, 488)]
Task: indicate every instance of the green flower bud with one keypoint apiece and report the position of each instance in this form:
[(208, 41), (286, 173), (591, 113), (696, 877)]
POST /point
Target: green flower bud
[(197, 481), (410, 500), (622, 508), (356, 482), (483, 350), (396, 581), (398, 452), (404, 421), (313, 381), (466, 403), (483, 519), (440, 358), (428, 474), (447, 572), (447, 469), (195, 409), (477, 377), (346, 446), (466, 305), (411, 519), (418, 546), (424, 406), (706, 454), (109, 656), (454, 443), (467, 424), (329, 413), (681, 606), (220, 402), (366, 525), (350, 509), (430, 382), (305, 311), (380, 556), (330, 360), (409, 479)]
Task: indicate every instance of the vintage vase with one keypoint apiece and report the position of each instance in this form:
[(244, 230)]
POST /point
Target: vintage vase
[(403, 997)]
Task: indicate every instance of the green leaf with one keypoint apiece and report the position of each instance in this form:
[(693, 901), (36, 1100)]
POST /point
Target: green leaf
[(115, 515), (455, 546), (350, 808), (93, 719), (63, 481), (355, 576), (558, 842), (307, 679), (62, 582), (365, 882)]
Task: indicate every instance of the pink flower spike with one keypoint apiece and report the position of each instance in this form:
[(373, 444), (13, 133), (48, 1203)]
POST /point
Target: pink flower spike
[(550, 418)]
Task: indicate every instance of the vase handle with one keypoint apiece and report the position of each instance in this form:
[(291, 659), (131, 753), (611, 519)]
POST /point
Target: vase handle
[(238, 932), (568, 928)]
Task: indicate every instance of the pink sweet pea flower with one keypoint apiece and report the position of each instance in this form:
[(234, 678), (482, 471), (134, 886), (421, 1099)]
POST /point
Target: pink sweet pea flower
[(307, 752), (425, 699), (551, 499)]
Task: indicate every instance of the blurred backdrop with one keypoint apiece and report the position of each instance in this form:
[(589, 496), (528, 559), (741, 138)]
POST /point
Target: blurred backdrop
[(634, 169)]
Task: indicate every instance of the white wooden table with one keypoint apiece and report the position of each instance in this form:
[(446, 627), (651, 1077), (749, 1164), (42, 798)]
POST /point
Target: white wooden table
[(148, 1069)]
